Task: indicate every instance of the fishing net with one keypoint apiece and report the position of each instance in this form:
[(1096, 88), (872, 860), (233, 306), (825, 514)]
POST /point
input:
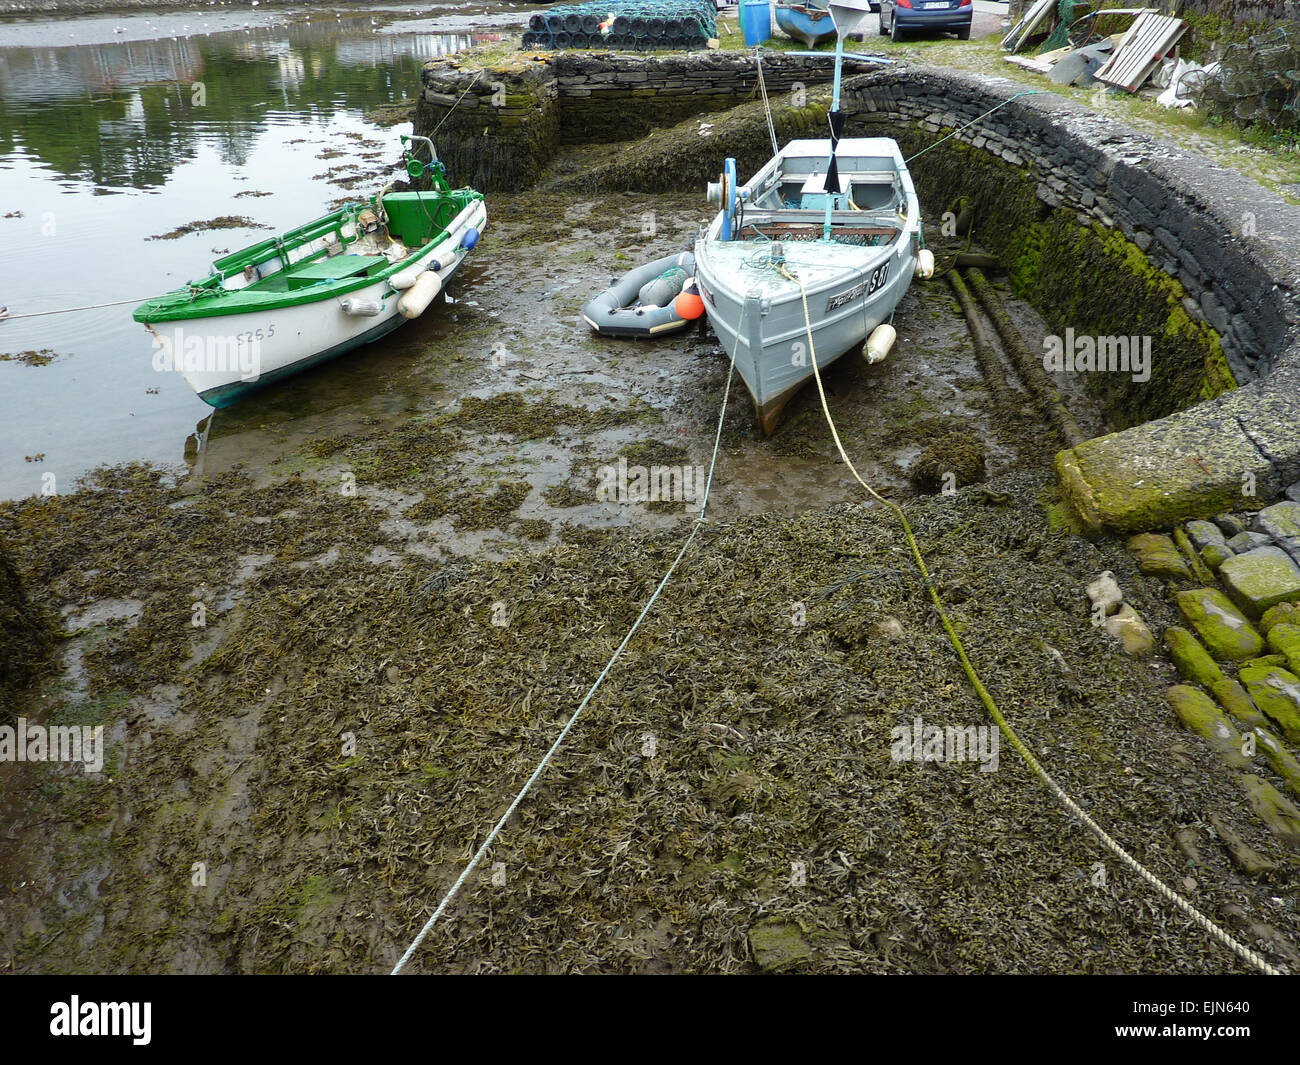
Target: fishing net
[(638, 25), (1257, 83), (1060, 36)]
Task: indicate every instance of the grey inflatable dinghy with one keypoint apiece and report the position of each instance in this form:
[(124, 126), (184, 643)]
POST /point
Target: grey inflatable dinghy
[(644, 302)]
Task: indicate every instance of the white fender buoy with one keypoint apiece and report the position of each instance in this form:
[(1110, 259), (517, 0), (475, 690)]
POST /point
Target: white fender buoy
[(925, 263), (405, 277), (881, 340), (416, 298), (360, 308)]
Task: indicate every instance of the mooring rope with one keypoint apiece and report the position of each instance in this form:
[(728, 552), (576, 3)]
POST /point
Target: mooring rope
[(453, 107), (987, 699), (559, 740), (5, 316), (767, 107)]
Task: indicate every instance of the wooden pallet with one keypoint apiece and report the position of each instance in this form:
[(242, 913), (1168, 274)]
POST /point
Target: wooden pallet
[(1148, 41)]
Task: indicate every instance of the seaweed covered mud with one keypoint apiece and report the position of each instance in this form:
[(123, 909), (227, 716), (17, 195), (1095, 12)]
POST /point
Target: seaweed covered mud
[(326, 656)]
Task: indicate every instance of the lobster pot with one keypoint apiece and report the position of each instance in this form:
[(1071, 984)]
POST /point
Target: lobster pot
[(641, 25)]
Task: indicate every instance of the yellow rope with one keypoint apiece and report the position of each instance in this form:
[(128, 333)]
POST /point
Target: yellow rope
[(1073, 807)]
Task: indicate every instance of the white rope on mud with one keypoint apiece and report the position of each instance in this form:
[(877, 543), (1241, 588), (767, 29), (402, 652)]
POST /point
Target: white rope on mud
[(559, 740)]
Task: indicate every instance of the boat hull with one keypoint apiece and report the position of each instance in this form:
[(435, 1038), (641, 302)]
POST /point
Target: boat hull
[(798, 24), (771, 339), (226, 357), (754, 286)]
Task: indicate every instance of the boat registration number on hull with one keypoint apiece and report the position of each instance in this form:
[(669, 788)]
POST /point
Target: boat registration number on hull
[(863, 288)]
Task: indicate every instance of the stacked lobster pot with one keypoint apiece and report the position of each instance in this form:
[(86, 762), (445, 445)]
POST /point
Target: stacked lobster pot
[(631, 25)]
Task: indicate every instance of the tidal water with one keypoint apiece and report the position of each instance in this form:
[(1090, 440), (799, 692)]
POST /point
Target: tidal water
[(114, 130)]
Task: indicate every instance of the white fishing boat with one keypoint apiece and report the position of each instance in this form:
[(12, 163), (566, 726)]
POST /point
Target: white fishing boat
[(324, 288), (811, 256)]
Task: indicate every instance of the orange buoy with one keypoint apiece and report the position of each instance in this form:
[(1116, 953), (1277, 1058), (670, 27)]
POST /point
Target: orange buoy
[(688, 305)]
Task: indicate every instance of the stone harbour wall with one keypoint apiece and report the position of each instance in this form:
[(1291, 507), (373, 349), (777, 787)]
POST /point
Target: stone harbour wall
[(505, 129), (613, 98)]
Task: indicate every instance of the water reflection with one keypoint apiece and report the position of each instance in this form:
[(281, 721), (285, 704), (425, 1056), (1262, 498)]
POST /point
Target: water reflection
[(126, 114)]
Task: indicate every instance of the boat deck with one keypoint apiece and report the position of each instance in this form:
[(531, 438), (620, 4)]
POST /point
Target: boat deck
[(749, 265)]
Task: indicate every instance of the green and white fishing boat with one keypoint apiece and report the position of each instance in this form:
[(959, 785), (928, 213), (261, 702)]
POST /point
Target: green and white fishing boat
[(317, 291)]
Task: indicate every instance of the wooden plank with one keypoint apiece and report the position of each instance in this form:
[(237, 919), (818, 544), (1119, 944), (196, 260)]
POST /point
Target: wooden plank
[(1022, 29), (1147, 41), (1025, 61)]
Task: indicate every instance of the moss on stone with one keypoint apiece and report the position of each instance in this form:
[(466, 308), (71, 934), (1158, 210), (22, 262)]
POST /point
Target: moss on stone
[(779, 946), (1276, 691), (1192, 660), (1284, 638), (1237, 701), (1274, 809), (1288, 612), (1280, 760), (1222, 627), (1199, 713), (1215, 555), (1157, 556), (1260, 579)]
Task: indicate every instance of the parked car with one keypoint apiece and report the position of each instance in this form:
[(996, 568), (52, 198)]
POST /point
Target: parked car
[(945, 16)]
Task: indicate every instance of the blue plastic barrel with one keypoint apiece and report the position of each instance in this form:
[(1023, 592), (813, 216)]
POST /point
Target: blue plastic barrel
[(756, 21)]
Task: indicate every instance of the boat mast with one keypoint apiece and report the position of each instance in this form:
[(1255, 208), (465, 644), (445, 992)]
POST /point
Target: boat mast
[(848, 16)]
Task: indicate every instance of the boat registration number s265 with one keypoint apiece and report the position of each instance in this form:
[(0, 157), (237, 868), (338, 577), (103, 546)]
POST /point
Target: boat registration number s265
[(863, 288)]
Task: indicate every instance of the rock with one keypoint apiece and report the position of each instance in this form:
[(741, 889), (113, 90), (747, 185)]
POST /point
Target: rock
[(1199, 713), (1157, 556), (1274, 809), (1265, 661), (1292, 492), (1281, 521), (1200, 573), (1104, 592), (1248, 541), (779, 946), (1288, 612), (1185, 839), (889, 628), (1237, 701), (1276, 691), (1282, 761), (1215, 555), (1204, 533), (1243, 856), (1230, 524), (1127, 626), (1284, 638), (1220, 625), (1192, 660), (1260, 579)]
